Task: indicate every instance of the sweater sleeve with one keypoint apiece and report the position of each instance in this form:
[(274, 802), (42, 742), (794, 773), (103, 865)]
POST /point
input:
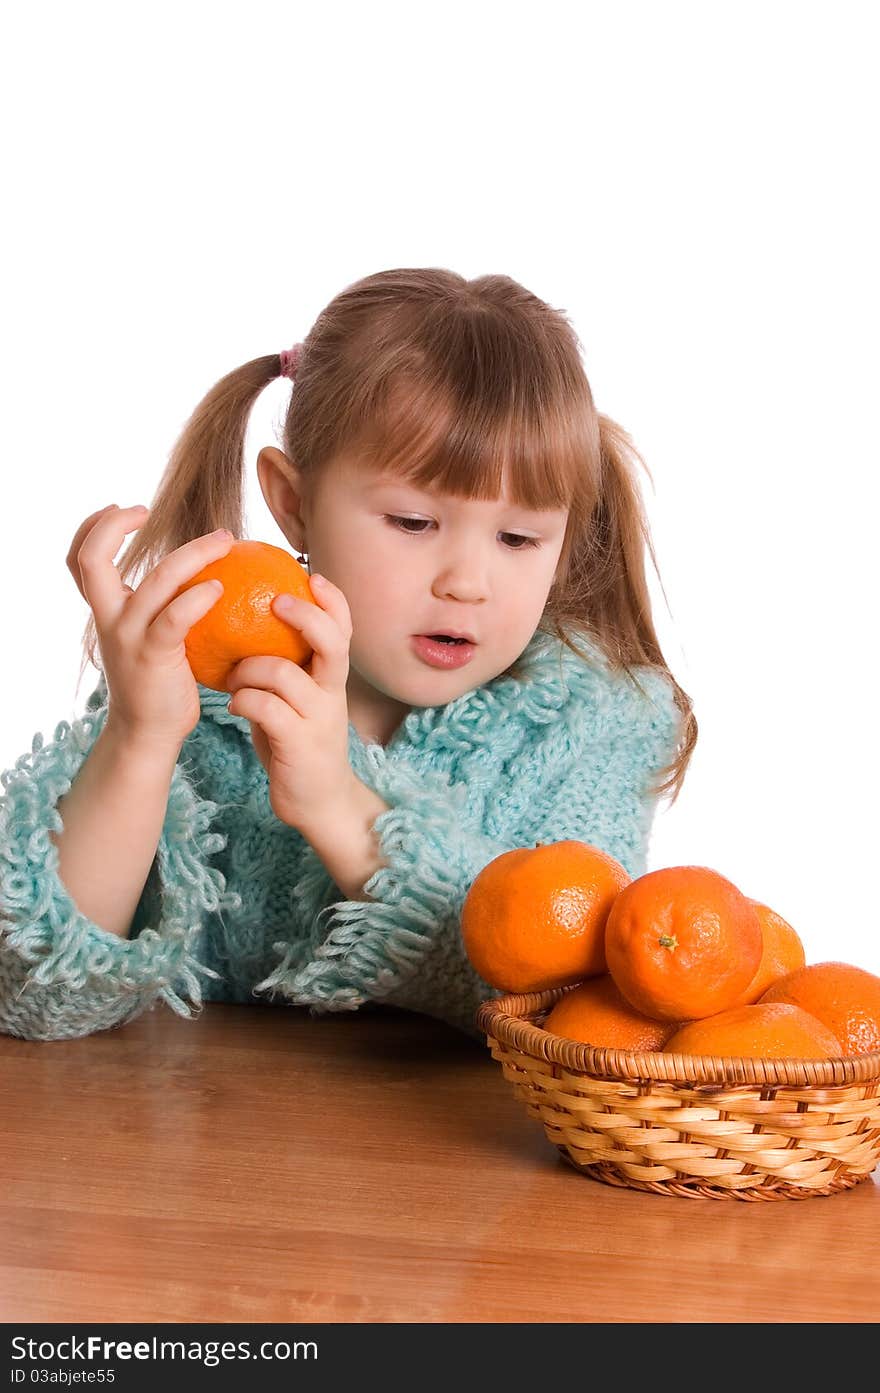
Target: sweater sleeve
[(61, 975), (404, 947)]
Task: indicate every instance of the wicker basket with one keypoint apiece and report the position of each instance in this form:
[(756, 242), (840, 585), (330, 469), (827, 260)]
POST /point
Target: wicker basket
[(679, 1124)]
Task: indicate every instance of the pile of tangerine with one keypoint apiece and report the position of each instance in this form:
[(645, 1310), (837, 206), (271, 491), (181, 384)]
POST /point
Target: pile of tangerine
[(678, 959)]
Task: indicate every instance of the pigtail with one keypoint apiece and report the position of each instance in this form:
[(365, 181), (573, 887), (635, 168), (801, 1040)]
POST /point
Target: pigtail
[(606, 583)]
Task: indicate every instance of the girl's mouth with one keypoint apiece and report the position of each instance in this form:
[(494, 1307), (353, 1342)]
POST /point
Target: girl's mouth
[(438, 651)]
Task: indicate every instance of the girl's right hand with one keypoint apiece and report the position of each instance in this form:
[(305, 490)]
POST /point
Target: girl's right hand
[(153, 696)]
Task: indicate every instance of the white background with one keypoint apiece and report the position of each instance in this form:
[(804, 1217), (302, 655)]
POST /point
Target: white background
[(695, 186)]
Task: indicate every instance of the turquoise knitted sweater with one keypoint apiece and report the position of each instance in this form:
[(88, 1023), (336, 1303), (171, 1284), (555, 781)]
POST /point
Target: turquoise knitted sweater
[(237, 904)]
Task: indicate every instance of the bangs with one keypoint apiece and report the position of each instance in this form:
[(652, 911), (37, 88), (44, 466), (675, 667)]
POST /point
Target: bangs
[(481, 442)]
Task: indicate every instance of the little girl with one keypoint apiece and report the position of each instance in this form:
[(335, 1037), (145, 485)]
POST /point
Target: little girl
[(485, 676)]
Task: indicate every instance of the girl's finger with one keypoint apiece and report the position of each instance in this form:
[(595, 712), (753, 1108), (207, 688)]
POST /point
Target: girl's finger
[(270, 712), (277, 677), (79, 537), (159, 588), (331, 598), (329, 664), (171, 627), (101, 582)]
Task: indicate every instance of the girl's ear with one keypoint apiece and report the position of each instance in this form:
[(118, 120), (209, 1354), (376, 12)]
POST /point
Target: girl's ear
[(274, 468), (280, 483)]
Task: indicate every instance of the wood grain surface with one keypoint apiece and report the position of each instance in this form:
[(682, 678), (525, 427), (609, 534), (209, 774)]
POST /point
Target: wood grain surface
[(262, 1164)]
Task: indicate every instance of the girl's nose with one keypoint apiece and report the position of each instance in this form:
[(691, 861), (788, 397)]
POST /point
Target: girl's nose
[(462, 578)]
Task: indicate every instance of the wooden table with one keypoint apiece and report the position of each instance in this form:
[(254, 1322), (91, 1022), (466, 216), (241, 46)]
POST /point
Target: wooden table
[(260, 1164)]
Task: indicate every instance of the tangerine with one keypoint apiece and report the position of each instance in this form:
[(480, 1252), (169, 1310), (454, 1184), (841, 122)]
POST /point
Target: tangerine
[(534, 918), (242, 623), (763, 1031), (845, 998), (682, 943), (595, 1012), (783, 952)]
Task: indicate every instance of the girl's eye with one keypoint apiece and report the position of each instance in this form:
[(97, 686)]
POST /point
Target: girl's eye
[(405, 525), (401, 524)]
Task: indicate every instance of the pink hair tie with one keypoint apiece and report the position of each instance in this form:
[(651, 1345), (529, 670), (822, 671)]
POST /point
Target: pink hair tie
[(289, 359)]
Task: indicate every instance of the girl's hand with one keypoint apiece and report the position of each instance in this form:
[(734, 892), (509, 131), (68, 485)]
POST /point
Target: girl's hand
[(299, 719), (153, 696)]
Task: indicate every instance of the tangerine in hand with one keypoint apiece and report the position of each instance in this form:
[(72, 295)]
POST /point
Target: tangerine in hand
[(242, 623)]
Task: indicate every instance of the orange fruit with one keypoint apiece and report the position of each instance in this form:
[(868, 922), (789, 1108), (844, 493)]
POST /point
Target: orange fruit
[(783, 952), (241, 624), (682, 943), (762, 1031), (845, 998), (534, 918), (595, 1013)]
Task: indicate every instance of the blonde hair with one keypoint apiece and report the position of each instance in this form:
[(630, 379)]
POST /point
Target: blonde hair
[(450, 383)]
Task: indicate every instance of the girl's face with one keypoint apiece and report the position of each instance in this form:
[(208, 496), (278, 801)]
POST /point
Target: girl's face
[(412, 562)]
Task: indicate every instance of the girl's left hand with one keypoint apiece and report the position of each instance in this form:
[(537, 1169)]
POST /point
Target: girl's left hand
[(299, 719)]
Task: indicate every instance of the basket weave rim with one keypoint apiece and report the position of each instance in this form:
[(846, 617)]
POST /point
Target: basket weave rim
[(504, 1019)]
